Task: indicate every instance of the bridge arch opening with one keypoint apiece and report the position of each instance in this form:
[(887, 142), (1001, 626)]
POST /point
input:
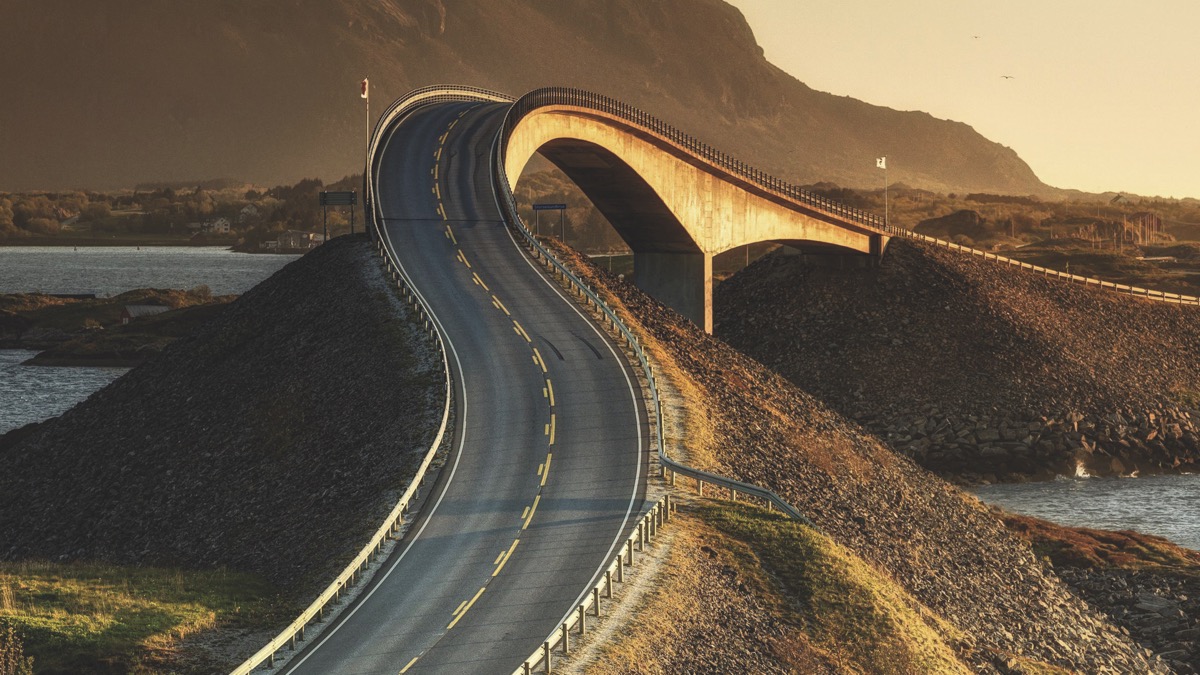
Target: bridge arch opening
[(673, 210)]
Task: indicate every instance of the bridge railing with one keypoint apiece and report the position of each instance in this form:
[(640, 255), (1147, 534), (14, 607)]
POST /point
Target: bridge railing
[(508, 208), (578, 98)]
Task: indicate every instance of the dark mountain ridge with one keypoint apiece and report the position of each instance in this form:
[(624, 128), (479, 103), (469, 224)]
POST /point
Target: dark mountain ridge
[(105, 95)]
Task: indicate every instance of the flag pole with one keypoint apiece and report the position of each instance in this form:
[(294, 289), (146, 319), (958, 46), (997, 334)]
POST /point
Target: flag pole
[(366, 95)]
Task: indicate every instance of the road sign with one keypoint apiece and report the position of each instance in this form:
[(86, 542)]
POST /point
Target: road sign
[(549, 207), (339, 198)]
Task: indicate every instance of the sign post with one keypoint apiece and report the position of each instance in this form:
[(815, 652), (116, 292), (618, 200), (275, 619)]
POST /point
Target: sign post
[(562, 227), (328, 199)]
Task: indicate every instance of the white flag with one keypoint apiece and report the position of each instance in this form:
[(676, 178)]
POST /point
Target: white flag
[(880, 162), (364, 88)]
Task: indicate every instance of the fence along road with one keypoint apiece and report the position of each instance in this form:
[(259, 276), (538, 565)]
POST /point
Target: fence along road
[(547, 472)]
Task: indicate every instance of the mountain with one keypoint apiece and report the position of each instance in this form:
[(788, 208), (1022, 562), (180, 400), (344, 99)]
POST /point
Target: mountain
[(110, 94)]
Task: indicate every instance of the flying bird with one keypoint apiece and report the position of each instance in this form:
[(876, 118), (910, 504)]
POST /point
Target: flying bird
[(1007, 77)]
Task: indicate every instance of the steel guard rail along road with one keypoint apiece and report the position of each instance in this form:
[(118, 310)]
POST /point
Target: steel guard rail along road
[(353, 572)]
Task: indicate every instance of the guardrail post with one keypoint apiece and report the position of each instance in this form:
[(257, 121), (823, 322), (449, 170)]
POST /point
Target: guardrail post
[(700, 487), (546, 646), (629, 552), (566, 639), (641, 537), (608, 579), (582, 620), (596, 601)]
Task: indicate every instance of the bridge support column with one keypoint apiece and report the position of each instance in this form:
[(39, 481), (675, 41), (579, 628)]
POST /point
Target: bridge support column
[(878, 243), (681, 281)]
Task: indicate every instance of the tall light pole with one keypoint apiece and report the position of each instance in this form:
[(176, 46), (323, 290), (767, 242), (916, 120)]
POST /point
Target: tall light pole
[(881, 162), (366, 96)]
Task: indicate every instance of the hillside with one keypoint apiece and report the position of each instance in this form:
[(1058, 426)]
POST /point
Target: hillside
[(974, 369), (246, 446), (116, 93), (979, 591)]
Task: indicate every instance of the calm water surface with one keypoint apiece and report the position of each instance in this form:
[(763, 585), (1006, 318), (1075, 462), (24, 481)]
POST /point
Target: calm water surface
[(34, 393), (1168, 506), (108, 271)]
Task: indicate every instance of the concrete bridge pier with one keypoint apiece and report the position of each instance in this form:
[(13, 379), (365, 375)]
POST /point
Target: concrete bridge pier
[(681, 281)]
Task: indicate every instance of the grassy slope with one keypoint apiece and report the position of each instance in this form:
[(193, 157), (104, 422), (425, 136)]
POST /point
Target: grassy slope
[(78, 618), (862, 617)]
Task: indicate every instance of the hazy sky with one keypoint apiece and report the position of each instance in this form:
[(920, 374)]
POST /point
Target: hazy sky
[(1104, 95)]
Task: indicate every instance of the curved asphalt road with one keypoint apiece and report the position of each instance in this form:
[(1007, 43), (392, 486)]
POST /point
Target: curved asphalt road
[(548, 468)]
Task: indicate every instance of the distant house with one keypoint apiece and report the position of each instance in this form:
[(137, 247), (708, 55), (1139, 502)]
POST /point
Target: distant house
[(249, 212), (299, 240), (131, 312), (218, 226)]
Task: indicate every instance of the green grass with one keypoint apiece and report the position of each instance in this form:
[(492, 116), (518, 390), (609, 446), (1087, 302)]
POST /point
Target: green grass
[(93, 618), (845, 606)]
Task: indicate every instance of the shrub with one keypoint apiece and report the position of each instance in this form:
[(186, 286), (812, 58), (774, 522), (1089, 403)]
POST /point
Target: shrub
[(12, 653)]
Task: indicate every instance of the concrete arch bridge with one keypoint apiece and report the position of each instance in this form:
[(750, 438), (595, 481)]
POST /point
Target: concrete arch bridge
[(675, 201)]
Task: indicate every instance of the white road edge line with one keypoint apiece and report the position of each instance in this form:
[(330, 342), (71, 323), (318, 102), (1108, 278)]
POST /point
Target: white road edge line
[(343, 618)]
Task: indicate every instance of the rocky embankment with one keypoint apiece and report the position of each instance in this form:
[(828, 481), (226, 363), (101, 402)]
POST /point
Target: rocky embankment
[(982, 590), (1148, 586), (271, 441), (976, 370)]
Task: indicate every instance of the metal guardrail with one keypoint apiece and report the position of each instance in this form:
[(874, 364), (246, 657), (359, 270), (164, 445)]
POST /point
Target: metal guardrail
[(1161, 296), (353, 572), (560, 638)]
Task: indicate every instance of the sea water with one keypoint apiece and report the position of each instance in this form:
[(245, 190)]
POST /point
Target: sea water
[(34, 393), (107, 271), (1167, 506)]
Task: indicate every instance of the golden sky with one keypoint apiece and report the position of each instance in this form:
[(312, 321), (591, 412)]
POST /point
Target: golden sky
[(1101, 95)]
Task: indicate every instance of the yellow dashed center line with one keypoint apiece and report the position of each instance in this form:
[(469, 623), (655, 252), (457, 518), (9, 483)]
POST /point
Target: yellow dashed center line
[(437, 191), (466, 609), (546, 473), (464, 602), (550, 390), (500, 305), (525, 513), (537, 358), (463, 258), (552, 428), (520, 331), (532, 510), (480, 282), (450, 233), (410, 665), (506, 555)]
